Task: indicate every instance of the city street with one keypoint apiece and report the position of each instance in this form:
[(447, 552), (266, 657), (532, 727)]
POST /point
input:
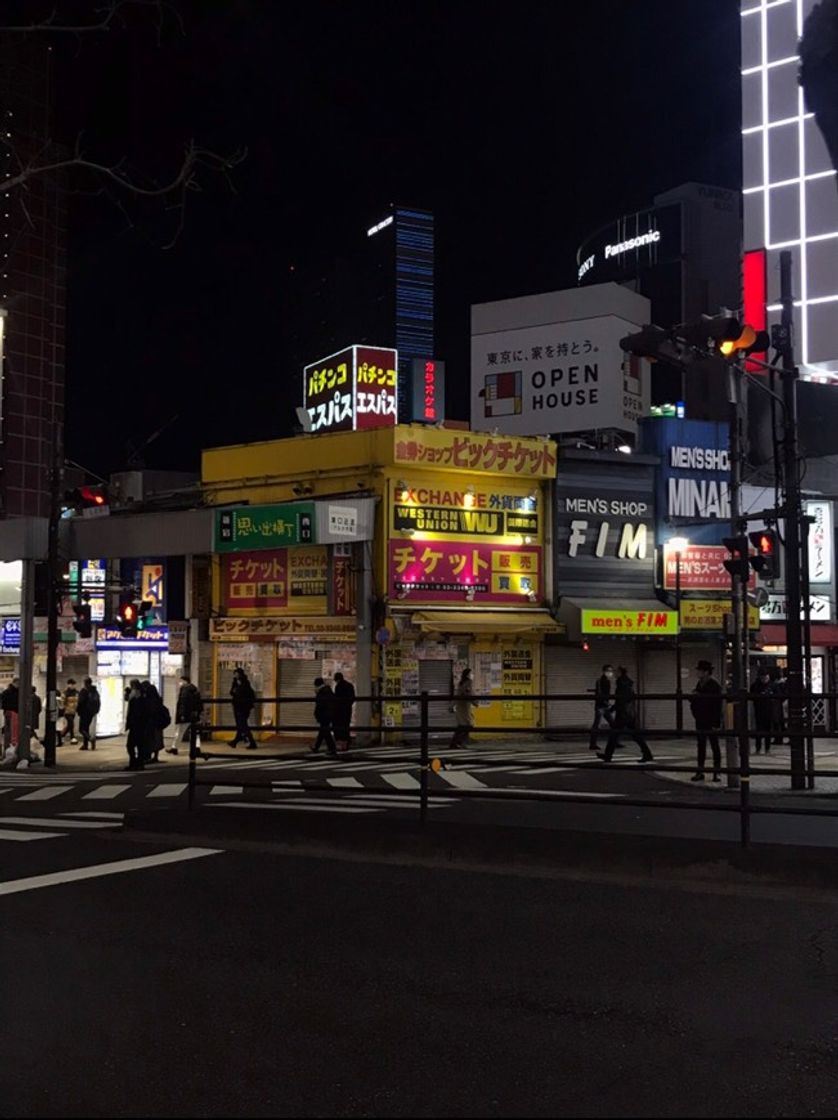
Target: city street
[(249, 983)]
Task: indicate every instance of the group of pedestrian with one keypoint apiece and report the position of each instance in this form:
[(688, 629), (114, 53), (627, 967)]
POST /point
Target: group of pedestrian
[(617, 708), (333, 713), (85, 702), (146, 719)]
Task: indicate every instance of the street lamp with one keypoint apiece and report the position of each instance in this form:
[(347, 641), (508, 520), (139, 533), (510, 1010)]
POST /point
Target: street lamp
[(679, 545)]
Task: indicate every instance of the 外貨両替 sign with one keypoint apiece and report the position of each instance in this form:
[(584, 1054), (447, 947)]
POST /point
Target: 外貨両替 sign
[(249, 528), (451, 510), (638, 624)]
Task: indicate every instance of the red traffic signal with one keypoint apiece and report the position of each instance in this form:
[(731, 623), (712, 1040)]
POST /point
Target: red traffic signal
[(766, 562), (127, 618)]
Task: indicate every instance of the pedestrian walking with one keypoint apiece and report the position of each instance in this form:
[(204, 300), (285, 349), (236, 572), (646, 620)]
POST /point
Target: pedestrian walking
[(324, 707), (344, 703), (602, 704), (88, 709), (243, 699), (763, 693), (37, 708), (780, 685), (10, 704), (706, 705), (135, 726), (187, 712), (69, 703), (462, 709), (156, 719), (625, 719)]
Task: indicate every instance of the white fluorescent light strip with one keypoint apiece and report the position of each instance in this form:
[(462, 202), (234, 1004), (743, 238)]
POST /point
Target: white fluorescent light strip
[(773, 124), (771, 4), (804, 282), (796, 241), (809, 302), (790, 182), (770, 65), (766, 177)]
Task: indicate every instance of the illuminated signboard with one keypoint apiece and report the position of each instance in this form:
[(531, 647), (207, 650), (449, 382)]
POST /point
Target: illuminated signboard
[(353, 389), (709, 614), (649, 622), (428, 384)]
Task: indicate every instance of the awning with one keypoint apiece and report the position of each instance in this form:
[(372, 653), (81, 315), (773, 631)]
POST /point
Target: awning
[(472, 621), (823, 634), (617, 618)]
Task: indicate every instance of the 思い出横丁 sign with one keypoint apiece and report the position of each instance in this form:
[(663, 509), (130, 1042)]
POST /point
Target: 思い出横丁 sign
[(248, 528)]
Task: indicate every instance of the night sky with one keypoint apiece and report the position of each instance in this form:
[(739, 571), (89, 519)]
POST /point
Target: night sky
[(521, 130)]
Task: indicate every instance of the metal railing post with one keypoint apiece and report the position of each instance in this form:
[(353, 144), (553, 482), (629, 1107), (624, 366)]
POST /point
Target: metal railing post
[(423, 757), (744, 775), (193, 755)]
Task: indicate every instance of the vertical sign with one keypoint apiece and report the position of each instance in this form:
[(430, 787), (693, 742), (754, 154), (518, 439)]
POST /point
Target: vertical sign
[(427, 376), (820, 542)]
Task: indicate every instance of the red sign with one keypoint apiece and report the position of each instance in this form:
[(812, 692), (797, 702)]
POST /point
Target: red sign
[(702, 568), (355, 388), (256, 579), (376, 380), (443, 571), (344, 600)]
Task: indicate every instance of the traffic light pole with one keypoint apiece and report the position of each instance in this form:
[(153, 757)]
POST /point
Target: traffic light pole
[(736, 749), (53, 602), (791, 482)]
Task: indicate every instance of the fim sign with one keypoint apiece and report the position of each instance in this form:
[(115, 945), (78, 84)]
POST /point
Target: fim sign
[(353, 389), (645, 623)]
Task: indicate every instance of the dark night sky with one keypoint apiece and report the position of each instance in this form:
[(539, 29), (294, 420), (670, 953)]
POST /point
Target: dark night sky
[(522, 131)]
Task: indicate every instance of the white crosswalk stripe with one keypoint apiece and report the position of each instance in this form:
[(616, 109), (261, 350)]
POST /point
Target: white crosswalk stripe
[(107, 792), (46, 793), (401, 780)]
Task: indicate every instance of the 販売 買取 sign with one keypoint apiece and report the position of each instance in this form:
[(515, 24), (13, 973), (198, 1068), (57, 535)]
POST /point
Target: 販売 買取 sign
[(248, 528)]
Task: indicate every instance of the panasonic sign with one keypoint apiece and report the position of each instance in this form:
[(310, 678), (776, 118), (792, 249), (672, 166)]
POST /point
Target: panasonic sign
[(650, 238)]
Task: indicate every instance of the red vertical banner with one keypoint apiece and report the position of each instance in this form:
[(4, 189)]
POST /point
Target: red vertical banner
[(343, 596), (754, 295)]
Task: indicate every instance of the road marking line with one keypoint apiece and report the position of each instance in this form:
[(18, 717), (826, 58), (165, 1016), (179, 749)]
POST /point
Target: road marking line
[(51, 822), (295, 805), (226, 789), (294, 783), (401, 780), (567, 793), (98, 814), (167, 789), (44, 794), (100, 870), (461, 780), (106, 793), (345, 783), (10, 834)]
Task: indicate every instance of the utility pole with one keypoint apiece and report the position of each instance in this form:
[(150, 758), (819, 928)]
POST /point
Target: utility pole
[(738, 586), (784, 343), (53, 604)]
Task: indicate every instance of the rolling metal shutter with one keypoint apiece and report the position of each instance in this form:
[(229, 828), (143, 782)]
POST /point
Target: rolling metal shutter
[(296, 678), (436, 678), (657, 674), (569, 669)]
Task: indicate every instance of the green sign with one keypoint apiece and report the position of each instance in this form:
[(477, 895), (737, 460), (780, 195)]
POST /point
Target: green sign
[(247, 528)]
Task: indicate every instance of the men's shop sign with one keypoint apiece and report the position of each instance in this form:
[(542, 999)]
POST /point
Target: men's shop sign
[(608, 527), (709, 614), (702, 568), (636, 624)]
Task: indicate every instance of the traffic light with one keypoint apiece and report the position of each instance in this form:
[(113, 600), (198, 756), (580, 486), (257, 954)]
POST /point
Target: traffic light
[(145, 614), (737, 563), (749, 341), (85, 497), (127, 618), (710, 332), (82, 624), (766, 562)]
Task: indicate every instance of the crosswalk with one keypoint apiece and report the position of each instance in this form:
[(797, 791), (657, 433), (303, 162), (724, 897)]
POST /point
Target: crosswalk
[(21, 830)]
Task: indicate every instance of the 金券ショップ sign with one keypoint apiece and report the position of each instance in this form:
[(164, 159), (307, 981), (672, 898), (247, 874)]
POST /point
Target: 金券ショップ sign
[(473, 451), (639, 624), (248, 528)]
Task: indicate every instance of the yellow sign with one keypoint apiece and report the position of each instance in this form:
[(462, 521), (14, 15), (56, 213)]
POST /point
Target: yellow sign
[(709, 614), (639, 624), (153, 584), (439, 506), (450, 449), (285, 626)]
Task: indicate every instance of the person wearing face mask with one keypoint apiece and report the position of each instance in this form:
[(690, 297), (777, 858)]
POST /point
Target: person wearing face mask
[(602, 704)]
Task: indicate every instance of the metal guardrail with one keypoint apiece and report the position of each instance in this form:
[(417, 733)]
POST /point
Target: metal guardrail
[(423, 730)]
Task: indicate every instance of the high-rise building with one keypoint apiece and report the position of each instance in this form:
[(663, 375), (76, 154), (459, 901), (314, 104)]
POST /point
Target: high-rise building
[(378, 290), (791, 200), (32, 286)]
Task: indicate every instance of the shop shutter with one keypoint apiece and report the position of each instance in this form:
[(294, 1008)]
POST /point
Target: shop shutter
[(296, 678), (570, 670), (257, 662), (436, 678), (657, 674)]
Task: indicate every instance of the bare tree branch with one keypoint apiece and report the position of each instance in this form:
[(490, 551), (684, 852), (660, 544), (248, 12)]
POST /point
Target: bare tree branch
[(106, 17)]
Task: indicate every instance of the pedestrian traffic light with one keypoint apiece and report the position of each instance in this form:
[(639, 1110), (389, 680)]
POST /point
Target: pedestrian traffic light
[(737, 563), (749, 341), (82, 624), (710, 332), (127, 618), (145, 614), (766, 560)]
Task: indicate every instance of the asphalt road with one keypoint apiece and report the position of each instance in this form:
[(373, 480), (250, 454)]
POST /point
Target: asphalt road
[(255, 984)]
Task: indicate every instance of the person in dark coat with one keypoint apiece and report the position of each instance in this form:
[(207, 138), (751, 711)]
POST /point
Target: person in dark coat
[(10, 704), (135, 726), (243, 699), (602, 703), (706, 705), (324, 707), (37, 708), (152, 708), (780, 688), (88, 708), (625, 719), (188, 712), (344, 703), (763, 693)]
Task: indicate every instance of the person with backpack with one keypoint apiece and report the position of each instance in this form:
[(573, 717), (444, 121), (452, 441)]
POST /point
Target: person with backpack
[(243, 699), (69, 705), (188, 712), (88, 708)]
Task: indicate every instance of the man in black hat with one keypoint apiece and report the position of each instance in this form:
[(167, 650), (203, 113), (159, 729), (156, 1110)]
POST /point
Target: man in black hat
[(706, 707)]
